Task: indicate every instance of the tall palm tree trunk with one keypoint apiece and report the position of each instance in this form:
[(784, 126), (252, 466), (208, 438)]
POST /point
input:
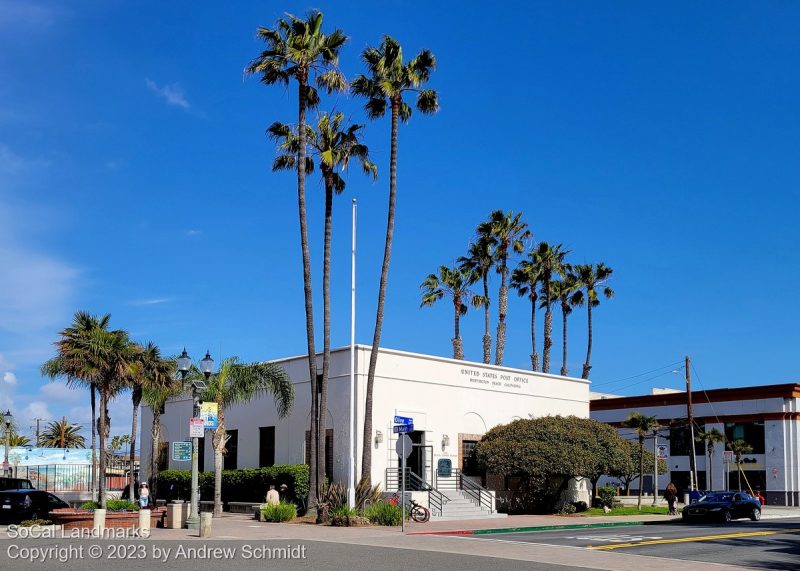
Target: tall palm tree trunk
[(548, 330), (326, 351), (219, 440), (94, 442), (535, 353), (641, 471), (458, 346), (587, 366), (103, 433), (137, 398), (564, 370), (366, 458), (155, 433), (502, 310), (487, 337), (312, 359), (710, 470)]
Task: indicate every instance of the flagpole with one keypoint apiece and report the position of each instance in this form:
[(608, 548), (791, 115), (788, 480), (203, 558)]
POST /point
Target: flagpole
[(351, 491)]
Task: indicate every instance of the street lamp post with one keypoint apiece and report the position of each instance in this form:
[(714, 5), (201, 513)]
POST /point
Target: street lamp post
[(206, 366), (6, 467)]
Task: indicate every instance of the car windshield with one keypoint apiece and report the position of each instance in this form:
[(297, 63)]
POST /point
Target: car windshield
[(716, 498)]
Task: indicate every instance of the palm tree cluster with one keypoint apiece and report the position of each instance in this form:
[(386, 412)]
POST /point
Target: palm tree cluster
[(90, 355), (299, 51), (543, 275)]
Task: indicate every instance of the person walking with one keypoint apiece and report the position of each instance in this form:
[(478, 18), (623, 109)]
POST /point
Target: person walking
[(671, 495)]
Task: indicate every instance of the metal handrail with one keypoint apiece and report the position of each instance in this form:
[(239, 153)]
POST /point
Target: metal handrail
[(475, 492), (436, 499)]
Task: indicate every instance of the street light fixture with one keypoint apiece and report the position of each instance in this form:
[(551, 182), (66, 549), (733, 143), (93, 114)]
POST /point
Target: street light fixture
[(184, 363), (8, 418)]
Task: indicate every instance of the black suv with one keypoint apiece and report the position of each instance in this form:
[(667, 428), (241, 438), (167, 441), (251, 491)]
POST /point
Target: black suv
[(724, 506), (15, 484)]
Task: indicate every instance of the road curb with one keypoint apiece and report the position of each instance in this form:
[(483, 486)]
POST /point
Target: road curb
[(529, 528)]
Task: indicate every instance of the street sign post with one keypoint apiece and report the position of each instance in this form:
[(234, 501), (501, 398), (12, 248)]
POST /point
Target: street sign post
[(181, 451), (662, 452), (403, 420), (403, 448), (402, 428), (196, 428)]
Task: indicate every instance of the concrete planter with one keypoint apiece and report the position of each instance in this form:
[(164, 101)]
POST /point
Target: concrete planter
[(84, 519)]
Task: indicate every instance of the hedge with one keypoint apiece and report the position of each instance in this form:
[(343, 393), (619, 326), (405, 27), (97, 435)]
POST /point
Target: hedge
[(245, 485)]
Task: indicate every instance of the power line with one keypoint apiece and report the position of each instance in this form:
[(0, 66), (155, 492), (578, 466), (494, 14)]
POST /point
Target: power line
[(636, 376)]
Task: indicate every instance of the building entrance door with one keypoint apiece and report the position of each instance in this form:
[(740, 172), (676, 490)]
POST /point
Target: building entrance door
[(416, 461)]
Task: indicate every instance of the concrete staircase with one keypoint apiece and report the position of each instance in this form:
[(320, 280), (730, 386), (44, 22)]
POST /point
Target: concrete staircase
[(459, 506)]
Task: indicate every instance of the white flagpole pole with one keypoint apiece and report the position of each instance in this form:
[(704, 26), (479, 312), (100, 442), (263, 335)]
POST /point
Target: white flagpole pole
[(351, 491)]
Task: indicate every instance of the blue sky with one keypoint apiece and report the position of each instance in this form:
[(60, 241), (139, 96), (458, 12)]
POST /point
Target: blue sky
[(135, 180)]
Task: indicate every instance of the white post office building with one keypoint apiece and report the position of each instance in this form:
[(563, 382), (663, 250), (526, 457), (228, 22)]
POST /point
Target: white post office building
[(453, 404), (766, 417)]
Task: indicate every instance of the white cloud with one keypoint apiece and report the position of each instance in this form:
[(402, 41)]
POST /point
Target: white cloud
[(35, 409), (10, 378), (25, 13), (153, 301), (60, 393), (10, 162), (172, 93), (193, 232)]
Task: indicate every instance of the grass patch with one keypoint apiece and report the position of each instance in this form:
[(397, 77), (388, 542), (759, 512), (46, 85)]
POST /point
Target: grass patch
[(629, 510)]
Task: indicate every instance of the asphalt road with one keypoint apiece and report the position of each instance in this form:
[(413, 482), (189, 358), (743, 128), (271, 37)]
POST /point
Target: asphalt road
[(772, 544), (64, 554)]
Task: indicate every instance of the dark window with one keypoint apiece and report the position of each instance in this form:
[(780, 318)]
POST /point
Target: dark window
[(266, 446), (231, 451), (469, 464), (750, 432), (679, 442), (755, 479), (162, 460)]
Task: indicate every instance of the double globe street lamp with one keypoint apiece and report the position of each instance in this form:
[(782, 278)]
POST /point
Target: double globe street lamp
[(198, 385), (6, 466)]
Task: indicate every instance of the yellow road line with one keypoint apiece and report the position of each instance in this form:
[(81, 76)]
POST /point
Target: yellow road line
[(611, 546)]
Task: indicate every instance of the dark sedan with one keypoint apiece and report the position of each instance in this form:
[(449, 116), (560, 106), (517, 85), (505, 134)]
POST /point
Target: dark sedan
[(19, 505), (724, 506)]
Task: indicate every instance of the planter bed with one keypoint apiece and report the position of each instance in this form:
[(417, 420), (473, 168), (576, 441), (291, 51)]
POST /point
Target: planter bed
[(84, 519)]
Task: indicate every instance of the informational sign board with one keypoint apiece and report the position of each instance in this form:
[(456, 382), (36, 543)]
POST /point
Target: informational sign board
[(404, 446), (727, 456), (209, 412), (403, 420), (196, 428), (181, 451), (444, 468), (402, 428), (662, 452)]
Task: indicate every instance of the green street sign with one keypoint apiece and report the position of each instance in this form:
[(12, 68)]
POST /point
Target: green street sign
[(181, 451)]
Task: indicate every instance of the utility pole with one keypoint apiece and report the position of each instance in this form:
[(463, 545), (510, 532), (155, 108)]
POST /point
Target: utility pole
[(38, 420), (692, 457)]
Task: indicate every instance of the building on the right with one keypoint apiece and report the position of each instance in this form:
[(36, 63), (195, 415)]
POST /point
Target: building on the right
[(766, 417)]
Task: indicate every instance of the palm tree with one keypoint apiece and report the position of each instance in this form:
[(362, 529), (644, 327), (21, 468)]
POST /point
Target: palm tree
[(98, 356), (18, 440), (568, 294), (525, 279), (150, 370), (710, 437), (480, 259), (156, 397), (333, 145), (551, 263), (507, 232), (297, 49), (642, 425), (238, 383), (62, 434), (739, 448), (390, 78), (454, 283), (83, 322), (591, 277)]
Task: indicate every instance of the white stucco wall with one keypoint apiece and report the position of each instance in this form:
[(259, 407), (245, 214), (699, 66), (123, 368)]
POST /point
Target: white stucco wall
[(443, 396)]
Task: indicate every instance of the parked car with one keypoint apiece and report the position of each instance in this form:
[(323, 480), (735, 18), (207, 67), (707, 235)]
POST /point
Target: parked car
[(25, 503), (724, 506), (15, 484)]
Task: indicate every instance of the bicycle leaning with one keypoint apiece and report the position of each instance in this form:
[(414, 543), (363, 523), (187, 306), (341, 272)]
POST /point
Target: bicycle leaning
[(418, 513)]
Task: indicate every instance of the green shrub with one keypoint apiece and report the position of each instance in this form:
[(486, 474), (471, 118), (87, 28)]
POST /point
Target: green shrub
[(90, 505), (343, 511), (383, 513), (564, 508), (32, 522), (345, 516), (367, 495), (335, 495), (607, 495), (284, 511), (120, 505), (580, 506), (245, 485)]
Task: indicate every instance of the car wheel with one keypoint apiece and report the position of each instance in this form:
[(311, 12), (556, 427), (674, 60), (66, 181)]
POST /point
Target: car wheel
[(755, 515), (726, 516)]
